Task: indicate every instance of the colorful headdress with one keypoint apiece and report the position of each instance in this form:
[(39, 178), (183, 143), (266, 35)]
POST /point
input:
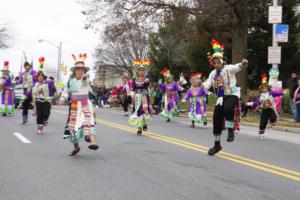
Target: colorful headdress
[(264, 79), (42, 63), (141, 63), (196, 76), (218, 51), (5, 66), (166, 73), (80, 59), (41, 68)]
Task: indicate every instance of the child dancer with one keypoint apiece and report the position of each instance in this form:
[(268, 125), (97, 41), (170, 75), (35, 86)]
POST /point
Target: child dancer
[(170, 88), (268, 108), (197, 97)]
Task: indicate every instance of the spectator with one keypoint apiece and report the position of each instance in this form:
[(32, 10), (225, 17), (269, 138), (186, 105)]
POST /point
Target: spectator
[(113, 98), (297, 101), (293, 86), (250, 103), (100, 95)]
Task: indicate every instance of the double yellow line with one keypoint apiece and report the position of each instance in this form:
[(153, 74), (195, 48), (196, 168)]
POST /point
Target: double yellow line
[(294, 175)]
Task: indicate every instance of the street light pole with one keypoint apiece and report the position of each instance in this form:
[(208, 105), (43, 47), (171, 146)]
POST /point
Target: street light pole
[(59, 48), (58, 78)]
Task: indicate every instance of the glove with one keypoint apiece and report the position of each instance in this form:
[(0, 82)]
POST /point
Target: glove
[(219, 101)]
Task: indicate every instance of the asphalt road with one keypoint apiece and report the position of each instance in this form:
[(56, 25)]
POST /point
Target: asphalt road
[(168, 162)]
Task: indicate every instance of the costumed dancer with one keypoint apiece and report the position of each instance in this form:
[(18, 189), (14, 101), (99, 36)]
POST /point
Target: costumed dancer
[(170, 88), (223, 81), (81, 118), (41, 98), (126, 98), (197, 97), (140, 94), (27, 80), (267, 106), (7, 106)]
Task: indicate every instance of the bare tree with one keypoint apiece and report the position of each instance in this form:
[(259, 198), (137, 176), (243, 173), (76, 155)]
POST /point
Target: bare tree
[(227, 13), (4, 36), (116, 53)]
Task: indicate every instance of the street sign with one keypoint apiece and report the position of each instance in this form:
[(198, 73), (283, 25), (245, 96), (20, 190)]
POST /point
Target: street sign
[(274, 55), (275, 14), (281, 33)]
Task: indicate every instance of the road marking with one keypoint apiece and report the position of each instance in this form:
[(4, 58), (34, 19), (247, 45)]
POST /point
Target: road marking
[(22, 138), (227, 156)]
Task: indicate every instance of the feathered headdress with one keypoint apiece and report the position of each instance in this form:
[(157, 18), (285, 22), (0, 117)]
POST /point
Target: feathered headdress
[(196, 76), (5, 66), (141, 63), (41, 62), (80, 58), (264, 79), (218, 51), (166, 73)]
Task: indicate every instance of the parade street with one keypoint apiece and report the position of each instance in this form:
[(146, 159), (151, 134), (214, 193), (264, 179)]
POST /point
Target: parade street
[(169, 161)]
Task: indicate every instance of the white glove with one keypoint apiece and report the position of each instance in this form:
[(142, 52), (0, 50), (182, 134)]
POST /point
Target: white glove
[(249, 104), (219, 101)]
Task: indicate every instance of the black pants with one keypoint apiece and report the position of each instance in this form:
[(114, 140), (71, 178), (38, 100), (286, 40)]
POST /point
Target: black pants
[(66, 130), (26, 106), (42, 111), (266, 115), (226, 111), (126, 100)]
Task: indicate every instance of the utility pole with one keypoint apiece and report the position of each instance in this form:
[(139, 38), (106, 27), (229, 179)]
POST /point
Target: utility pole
[(275, 44)]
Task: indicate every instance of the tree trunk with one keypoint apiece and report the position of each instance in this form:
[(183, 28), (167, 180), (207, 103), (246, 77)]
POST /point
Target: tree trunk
[(239, 44)]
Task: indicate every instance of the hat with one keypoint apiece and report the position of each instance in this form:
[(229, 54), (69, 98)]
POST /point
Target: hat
[(79, 60), (141, 64), (196, 76), (41, 62), (218, 51), (5, 66), (166, 73), (264, 79)]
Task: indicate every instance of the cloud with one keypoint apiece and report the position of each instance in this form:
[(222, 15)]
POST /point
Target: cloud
[(53, 20)]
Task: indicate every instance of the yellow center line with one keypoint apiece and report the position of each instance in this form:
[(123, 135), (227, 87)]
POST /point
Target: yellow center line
[(227, 156)]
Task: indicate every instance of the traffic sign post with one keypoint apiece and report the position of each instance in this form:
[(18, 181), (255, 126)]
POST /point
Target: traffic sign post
[(274, 55), (281, 33), (275, 14)]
